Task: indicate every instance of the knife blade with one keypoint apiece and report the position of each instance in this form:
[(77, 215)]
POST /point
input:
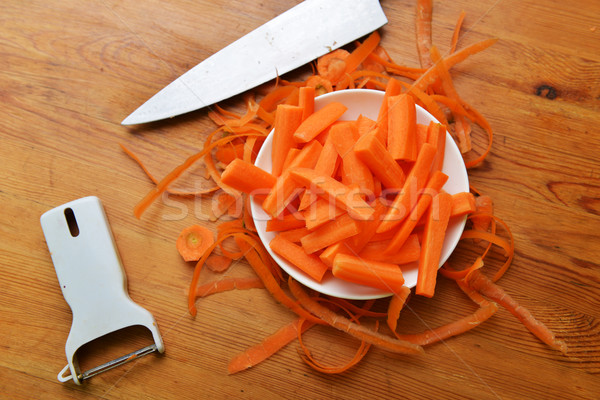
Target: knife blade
[(290, 40)]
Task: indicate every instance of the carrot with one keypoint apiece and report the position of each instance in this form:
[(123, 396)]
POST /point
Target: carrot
[(294, 254), (406, 200), (397, 302), (423, 31), (433, 187), (432, 243), (364, 125), (328, 255), (344, 135), (338, 229), (393, 88), (218, 262), (436, 136), (463, 203), (362, 51), (409, 252), (248, 178), (287, 120), (367, 228), (224, 285), (229, 152), (378, 274), (352, 328), (294, 235), (485, 286), (402, 125), (422, 131), (318, 121), (193, 241), (326, 164), (282, 194), (375, 156), (285, 222), (291, 155), (269, 346), (306, 101), (320, 212)]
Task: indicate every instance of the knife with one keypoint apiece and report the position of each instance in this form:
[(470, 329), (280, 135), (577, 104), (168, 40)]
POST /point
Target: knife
[(290, 40)]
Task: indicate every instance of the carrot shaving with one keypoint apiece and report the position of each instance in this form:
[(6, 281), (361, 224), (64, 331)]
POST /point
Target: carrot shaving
[(269, 346), (352, 328), (485, 286), (456, 32), (224, 285)]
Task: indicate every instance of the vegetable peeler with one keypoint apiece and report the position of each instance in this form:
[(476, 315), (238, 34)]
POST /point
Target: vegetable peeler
[(93, 282)]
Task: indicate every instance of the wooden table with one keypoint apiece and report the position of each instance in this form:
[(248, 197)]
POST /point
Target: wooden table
[(70, 71)]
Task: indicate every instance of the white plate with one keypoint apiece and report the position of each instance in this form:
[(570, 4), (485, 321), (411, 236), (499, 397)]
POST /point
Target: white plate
[(366, 102)]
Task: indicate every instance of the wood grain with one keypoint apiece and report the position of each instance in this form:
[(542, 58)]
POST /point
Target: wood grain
[(71, 71)]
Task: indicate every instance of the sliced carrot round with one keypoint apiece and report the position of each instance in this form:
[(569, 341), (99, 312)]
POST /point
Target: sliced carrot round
[(193, 241)]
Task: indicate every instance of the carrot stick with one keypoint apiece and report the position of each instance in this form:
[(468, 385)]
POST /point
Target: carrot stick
[(352, 328), (343, 136), (397, 302), (409, 252), (367, 228), (436, 136), (423, 31), (269, 346), (294, 235), (463, 203), (485, 286), (285, 222), (339, 229), (306, 101), (375, 156), (328, 255), (294, 254), (432, 243), (224, 285), (320, 212), (378, 274), (408, 224), (393, 88), (193, 241), (318, 121), (291, 155), (329, 188), (362, 51), (402, 125), (282, 194), (327, 165), (248, 178), (287, 120), (407, 199)]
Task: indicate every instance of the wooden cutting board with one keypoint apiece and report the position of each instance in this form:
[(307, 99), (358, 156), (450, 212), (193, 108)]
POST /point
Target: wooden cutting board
[(71, 71)]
